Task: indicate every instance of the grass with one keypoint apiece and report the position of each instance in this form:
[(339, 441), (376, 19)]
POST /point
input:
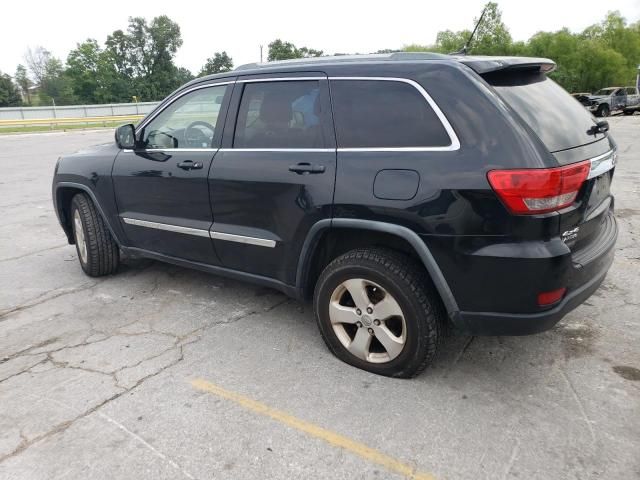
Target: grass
[(58, 128)]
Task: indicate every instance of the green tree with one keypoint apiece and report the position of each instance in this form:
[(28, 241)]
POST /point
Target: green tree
[(492, 36), (55, 86), (83, 68), (279, 50), (9, 95), (144, 55), (219, 63), (23, 82)]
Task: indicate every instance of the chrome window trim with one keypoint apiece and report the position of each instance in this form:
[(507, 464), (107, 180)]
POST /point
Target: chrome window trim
[(455, 142), (602, 163), (213, 235), (156, 150), (278, 79), (277, 149), (165, 226), (230, 237), (146, 121)]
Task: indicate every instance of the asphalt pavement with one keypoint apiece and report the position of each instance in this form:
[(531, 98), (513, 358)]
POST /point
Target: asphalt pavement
[(167, 373)]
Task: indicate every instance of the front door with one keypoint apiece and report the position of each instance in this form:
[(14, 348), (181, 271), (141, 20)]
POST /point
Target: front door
[(275, 176), (161, 187)]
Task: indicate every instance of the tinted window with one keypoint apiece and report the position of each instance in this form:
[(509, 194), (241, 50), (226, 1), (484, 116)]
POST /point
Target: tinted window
[(547, 108), (631, 91), (189, 122), (381, 113), (279, 115)]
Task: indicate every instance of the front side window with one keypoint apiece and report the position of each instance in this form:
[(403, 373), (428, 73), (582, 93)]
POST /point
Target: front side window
[(384, 114), (279, 114), (189, 122)]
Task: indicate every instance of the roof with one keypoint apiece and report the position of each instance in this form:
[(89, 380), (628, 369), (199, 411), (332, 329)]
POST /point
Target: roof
[(333, 59), (480, 64)]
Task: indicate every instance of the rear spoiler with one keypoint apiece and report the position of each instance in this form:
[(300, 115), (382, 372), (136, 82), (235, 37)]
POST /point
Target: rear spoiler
[(482, 65)]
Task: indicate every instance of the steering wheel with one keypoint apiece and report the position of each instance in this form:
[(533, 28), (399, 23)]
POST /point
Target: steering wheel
[(194, 137)]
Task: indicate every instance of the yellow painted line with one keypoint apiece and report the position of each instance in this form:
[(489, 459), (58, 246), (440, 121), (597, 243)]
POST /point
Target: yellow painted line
[(53, 121), (332, 438)]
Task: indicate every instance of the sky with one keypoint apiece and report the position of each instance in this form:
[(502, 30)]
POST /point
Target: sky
[(241, 26)]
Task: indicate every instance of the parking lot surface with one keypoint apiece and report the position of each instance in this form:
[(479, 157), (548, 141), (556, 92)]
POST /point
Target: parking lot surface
[(163, 372)]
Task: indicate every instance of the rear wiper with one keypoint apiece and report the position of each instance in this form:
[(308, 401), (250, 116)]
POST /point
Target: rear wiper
[(601, 126)]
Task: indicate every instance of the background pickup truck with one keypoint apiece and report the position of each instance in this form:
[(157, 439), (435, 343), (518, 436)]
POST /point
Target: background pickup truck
[(612, 99)]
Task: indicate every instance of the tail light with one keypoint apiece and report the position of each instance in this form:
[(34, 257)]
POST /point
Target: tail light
[(549, 298), (539, 190)]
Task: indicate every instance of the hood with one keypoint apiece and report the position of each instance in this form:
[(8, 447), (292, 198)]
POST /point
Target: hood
[(94, 150)]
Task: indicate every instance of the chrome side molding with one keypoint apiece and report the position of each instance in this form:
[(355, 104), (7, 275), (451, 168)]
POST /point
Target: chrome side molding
[(213, 235)]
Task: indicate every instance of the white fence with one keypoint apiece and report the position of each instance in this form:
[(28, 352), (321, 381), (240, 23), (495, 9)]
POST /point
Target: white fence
[(76, 111)]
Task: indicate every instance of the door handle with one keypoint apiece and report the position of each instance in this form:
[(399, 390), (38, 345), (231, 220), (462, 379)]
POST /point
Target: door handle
[(190, 165), (302, 168)]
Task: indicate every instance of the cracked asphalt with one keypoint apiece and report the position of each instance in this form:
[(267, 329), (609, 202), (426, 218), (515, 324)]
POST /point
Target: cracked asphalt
[(97, 375)]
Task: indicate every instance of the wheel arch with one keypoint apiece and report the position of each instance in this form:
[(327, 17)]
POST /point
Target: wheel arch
[(63, 194), (406, 240)]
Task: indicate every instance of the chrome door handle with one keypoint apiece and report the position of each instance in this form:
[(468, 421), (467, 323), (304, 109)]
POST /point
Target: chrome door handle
[(190, 165), (302, 168)]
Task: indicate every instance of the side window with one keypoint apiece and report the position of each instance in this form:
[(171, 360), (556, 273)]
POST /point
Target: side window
[(282, 114), (631, 91), (384, 114), (189, 122)]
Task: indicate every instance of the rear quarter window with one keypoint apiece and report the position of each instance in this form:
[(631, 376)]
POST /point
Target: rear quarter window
[(384, 114)]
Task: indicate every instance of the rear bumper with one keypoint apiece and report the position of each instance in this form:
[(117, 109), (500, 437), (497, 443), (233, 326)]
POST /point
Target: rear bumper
[(493, 323), (504, 282)]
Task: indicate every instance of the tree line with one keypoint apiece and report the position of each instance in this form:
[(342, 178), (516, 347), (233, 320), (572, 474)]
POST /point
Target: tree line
[(138, 64)]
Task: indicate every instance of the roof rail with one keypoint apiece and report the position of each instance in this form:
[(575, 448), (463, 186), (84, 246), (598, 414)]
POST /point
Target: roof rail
[(374, 57)]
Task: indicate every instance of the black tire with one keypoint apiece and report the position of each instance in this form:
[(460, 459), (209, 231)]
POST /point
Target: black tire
[(603, 111), (628, 112), (102, 252), (409, 285)]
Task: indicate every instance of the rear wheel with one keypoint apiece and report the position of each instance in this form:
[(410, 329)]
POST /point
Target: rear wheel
[(603, 111), (377, 310), (628, 112), (98, 253)]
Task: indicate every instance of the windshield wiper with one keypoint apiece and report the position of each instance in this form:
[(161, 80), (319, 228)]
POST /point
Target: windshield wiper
[(601, 126)]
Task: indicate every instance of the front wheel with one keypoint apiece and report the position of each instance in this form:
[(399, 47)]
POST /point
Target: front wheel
[(603, 111), (98, 253), (377, 310)]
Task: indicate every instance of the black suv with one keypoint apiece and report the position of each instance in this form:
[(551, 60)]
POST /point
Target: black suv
[(401, 192)]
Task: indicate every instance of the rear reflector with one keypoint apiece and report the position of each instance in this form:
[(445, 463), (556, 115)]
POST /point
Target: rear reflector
[(539, 190), (549, 298)]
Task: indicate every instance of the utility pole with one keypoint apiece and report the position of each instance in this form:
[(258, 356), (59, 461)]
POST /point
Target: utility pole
[(260, 53)]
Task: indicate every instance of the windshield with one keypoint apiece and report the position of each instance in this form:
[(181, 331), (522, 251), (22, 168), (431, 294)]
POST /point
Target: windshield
[(605, 91), (556, 117)]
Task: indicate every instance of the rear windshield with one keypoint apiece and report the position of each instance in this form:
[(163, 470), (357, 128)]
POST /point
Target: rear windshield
[(556, 117)]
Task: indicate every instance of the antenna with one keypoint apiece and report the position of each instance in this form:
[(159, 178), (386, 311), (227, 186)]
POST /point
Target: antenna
[(463, 50)]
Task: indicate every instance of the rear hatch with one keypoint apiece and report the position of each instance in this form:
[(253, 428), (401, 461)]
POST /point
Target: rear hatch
[(569, 133)]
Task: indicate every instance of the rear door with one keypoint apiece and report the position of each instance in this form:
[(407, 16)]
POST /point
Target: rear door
[(161, 187), (274, 177)]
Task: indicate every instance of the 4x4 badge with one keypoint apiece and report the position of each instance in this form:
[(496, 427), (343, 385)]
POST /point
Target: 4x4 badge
[(570, 235)]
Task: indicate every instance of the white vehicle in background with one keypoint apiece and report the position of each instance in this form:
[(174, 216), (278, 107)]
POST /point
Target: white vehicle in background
[(611, 100)]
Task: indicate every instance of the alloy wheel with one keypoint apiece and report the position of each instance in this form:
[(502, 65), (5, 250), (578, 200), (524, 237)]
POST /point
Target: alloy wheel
[(367, 320)]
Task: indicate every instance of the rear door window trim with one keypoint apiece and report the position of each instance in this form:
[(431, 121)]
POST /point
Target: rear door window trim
[(455, 142)]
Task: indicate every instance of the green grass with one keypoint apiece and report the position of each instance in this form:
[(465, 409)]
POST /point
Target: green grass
[(58, 128)]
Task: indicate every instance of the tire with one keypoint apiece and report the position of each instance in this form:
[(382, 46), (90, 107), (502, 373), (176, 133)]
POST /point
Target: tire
[(382, 272), (98, 253), (603, 111), (628, 112)]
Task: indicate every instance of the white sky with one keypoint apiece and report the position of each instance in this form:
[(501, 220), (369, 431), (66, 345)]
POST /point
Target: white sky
[(239, 27)]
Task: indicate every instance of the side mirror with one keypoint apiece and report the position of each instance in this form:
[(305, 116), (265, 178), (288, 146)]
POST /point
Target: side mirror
[(126, 136)]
